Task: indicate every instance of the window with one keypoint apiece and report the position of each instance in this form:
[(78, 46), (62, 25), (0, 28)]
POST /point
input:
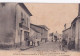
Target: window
[(21, 15), (22, 19), (3, 4), (27, 22)]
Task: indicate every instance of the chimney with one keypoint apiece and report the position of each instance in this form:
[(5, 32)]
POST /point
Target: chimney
[(64, 26)]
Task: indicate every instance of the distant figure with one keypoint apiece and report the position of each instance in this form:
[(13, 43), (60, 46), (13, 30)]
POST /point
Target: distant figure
[(60, 44), (38, 43), (28, 42), (70, 44), (55, 38), (64, 44), (52, 40)]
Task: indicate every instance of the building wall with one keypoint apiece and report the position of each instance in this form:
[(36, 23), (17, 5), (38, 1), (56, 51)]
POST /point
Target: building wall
[(77, 35), (34, 35), (36, 32), (42, 31), (10, 17), (7, 24), (44, 35), (20, 12), (67, 34), (73, 27)]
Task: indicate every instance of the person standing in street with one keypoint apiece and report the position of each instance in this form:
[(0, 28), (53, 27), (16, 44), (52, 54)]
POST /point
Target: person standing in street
[(70, 44), (36, 42), (64, 44), (55, 38), (60, 44)]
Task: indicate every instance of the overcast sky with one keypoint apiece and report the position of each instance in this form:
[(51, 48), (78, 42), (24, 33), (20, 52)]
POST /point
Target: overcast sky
[(54, 16)]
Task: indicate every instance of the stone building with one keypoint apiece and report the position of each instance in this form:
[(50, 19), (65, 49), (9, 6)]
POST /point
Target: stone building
[(39, 32), (75, 26), (35, 34), (67, 34), (44, 33), (14, 24), (74, 31)]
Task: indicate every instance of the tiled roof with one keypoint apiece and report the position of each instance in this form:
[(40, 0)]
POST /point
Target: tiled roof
[(25, 8), (41, 26)]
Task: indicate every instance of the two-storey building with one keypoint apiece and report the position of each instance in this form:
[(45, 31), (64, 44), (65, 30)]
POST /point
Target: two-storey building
[(14, 24), (38, 32)]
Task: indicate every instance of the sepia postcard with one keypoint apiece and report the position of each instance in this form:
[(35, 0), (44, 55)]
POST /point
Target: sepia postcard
[(39, 29)]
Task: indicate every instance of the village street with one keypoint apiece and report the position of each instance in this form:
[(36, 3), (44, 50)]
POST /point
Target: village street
[(48, 46)]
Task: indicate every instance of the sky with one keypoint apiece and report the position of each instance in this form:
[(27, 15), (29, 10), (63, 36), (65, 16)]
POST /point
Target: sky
[(53, 15)]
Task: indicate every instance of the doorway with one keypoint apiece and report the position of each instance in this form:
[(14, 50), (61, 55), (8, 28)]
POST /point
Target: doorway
[(26, 38)]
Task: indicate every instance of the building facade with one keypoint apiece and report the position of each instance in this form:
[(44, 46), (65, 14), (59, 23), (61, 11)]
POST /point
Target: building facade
[(39, 33), (35, 35), (45, 34), (14, 24), (75, 26), (67, 34), (76, 32)]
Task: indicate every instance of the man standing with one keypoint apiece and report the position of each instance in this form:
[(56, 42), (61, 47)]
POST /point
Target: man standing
[(70, 44), (60, 44), (64, 44), (55, 38)]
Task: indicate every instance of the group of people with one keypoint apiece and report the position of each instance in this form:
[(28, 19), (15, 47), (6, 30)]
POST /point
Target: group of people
[(64, 44)]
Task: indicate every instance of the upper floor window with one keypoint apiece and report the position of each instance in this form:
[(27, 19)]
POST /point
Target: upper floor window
[(3, 4), (23, 19), (27, 22), (21, 15)]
